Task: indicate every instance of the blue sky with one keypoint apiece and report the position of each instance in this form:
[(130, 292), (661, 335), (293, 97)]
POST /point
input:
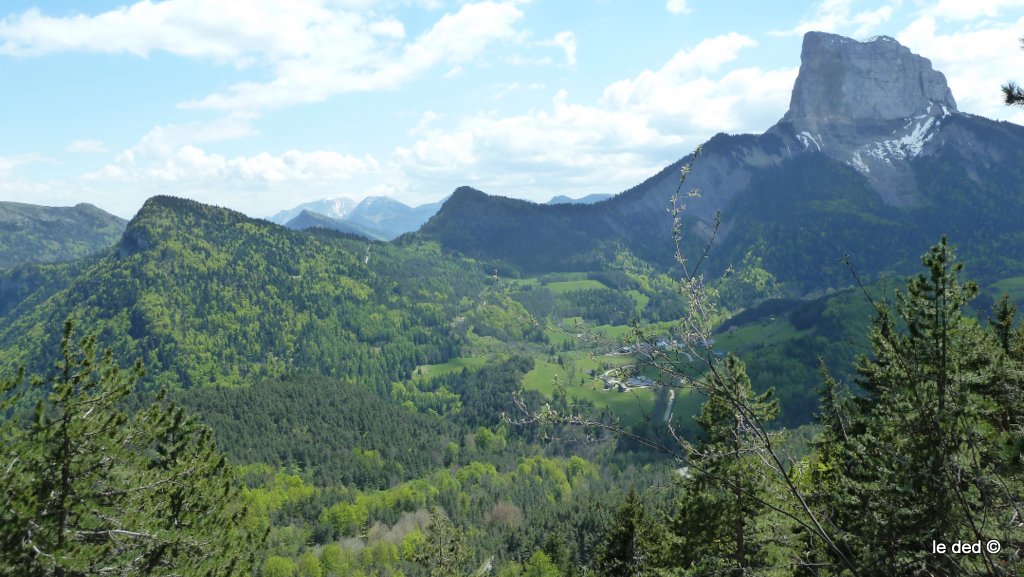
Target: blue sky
[(259, 105)]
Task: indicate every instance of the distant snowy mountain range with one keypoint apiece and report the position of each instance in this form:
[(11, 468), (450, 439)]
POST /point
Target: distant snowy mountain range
[(378, 217)]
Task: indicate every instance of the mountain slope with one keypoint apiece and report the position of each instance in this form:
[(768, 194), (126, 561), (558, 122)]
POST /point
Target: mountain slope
[(377, 217), (588, 199), (390, 216), (331, 207), (31, 233), (208, 296), (872, 161), (307, 219)]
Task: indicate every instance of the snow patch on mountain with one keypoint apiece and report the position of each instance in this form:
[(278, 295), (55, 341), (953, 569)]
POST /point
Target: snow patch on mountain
[(807, 140), (907, 142)]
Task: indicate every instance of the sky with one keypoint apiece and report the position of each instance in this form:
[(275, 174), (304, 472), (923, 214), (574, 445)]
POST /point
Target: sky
[(260, 105)]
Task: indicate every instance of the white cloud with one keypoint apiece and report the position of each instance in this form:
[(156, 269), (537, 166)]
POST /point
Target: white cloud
[(360, 64), (974, 9), (565, 40), (454, 71), (170, 154), (677, 6), (86, 147), (191, 163), (639, 126), (569, 147), (976, 60), (8, 164), (503, 89), (164, 140), (314, 48), (687, 95), (389, 28), (520, 60), (838, 16), (223, 31), (17, 189)]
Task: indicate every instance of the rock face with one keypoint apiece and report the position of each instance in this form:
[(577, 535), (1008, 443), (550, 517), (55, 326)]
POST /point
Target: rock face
[(872, 160), (843, 80), (871, 105)]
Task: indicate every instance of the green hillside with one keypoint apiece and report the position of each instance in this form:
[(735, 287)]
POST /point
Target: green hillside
[(207, 296), (30, 233)]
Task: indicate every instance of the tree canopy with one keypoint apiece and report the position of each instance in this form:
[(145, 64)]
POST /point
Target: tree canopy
[(90, 490)]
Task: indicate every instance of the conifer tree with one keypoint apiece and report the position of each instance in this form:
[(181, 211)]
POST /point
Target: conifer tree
[(90, 490), (446, 553), (721, 501), (919, 454), (631, 546)]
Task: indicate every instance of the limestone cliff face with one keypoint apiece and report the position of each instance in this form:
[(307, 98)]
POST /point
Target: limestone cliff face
[(842, 80), (872, 105), (871, 157)]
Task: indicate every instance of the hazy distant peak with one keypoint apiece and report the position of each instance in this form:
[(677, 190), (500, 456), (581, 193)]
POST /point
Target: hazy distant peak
[(588, 199), (332, 207)]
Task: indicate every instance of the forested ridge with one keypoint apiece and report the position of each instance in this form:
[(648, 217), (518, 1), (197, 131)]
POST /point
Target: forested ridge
[(41, 234), (207, 296), (800, 212), (372, 409)]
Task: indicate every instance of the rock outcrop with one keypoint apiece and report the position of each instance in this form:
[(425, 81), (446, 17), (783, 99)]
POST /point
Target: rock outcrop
[(842, 80), (872, 105)]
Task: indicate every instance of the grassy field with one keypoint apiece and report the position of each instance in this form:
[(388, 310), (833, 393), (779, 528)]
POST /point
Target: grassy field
[(757, 334), (630, 406), (573, 285), (612, 332), (1013, 286), (452, 366), (558, 337), (640, 298)]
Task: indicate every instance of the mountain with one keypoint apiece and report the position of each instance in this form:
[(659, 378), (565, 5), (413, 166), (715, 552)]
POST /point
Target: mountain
[(205, 295), (376, 217), (307, 219), (872, 160), (31, 233), (390, 216), (332, 207), (589, 199)]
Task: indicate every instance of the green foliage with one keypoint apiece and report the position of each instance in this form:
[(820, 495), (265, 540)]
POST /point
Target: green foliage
[(473, 398), (923, 454), (506, 321), (540, 565), (631, 546), (286, 422), (780, 342), (748, 283), (724, 496), (38, 234), (531, 237), (445, 553), (276, 566), (600, 305), (91, 490), (207, 296)]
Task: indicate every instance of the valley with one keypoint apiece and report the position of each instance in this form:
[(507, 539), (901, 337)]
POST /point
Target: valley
[(780, 379)]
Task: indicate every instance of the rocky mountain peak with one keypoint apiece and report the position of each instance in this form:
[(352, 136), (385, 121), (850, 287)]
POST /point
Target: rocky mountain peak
[(845, 80), (872, 105)]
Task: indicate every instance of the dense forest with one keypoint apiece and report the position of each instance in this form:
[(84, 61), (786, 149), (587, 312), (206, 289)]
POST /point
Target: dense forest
[(769, 374), (313, 403), (429, 468)]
